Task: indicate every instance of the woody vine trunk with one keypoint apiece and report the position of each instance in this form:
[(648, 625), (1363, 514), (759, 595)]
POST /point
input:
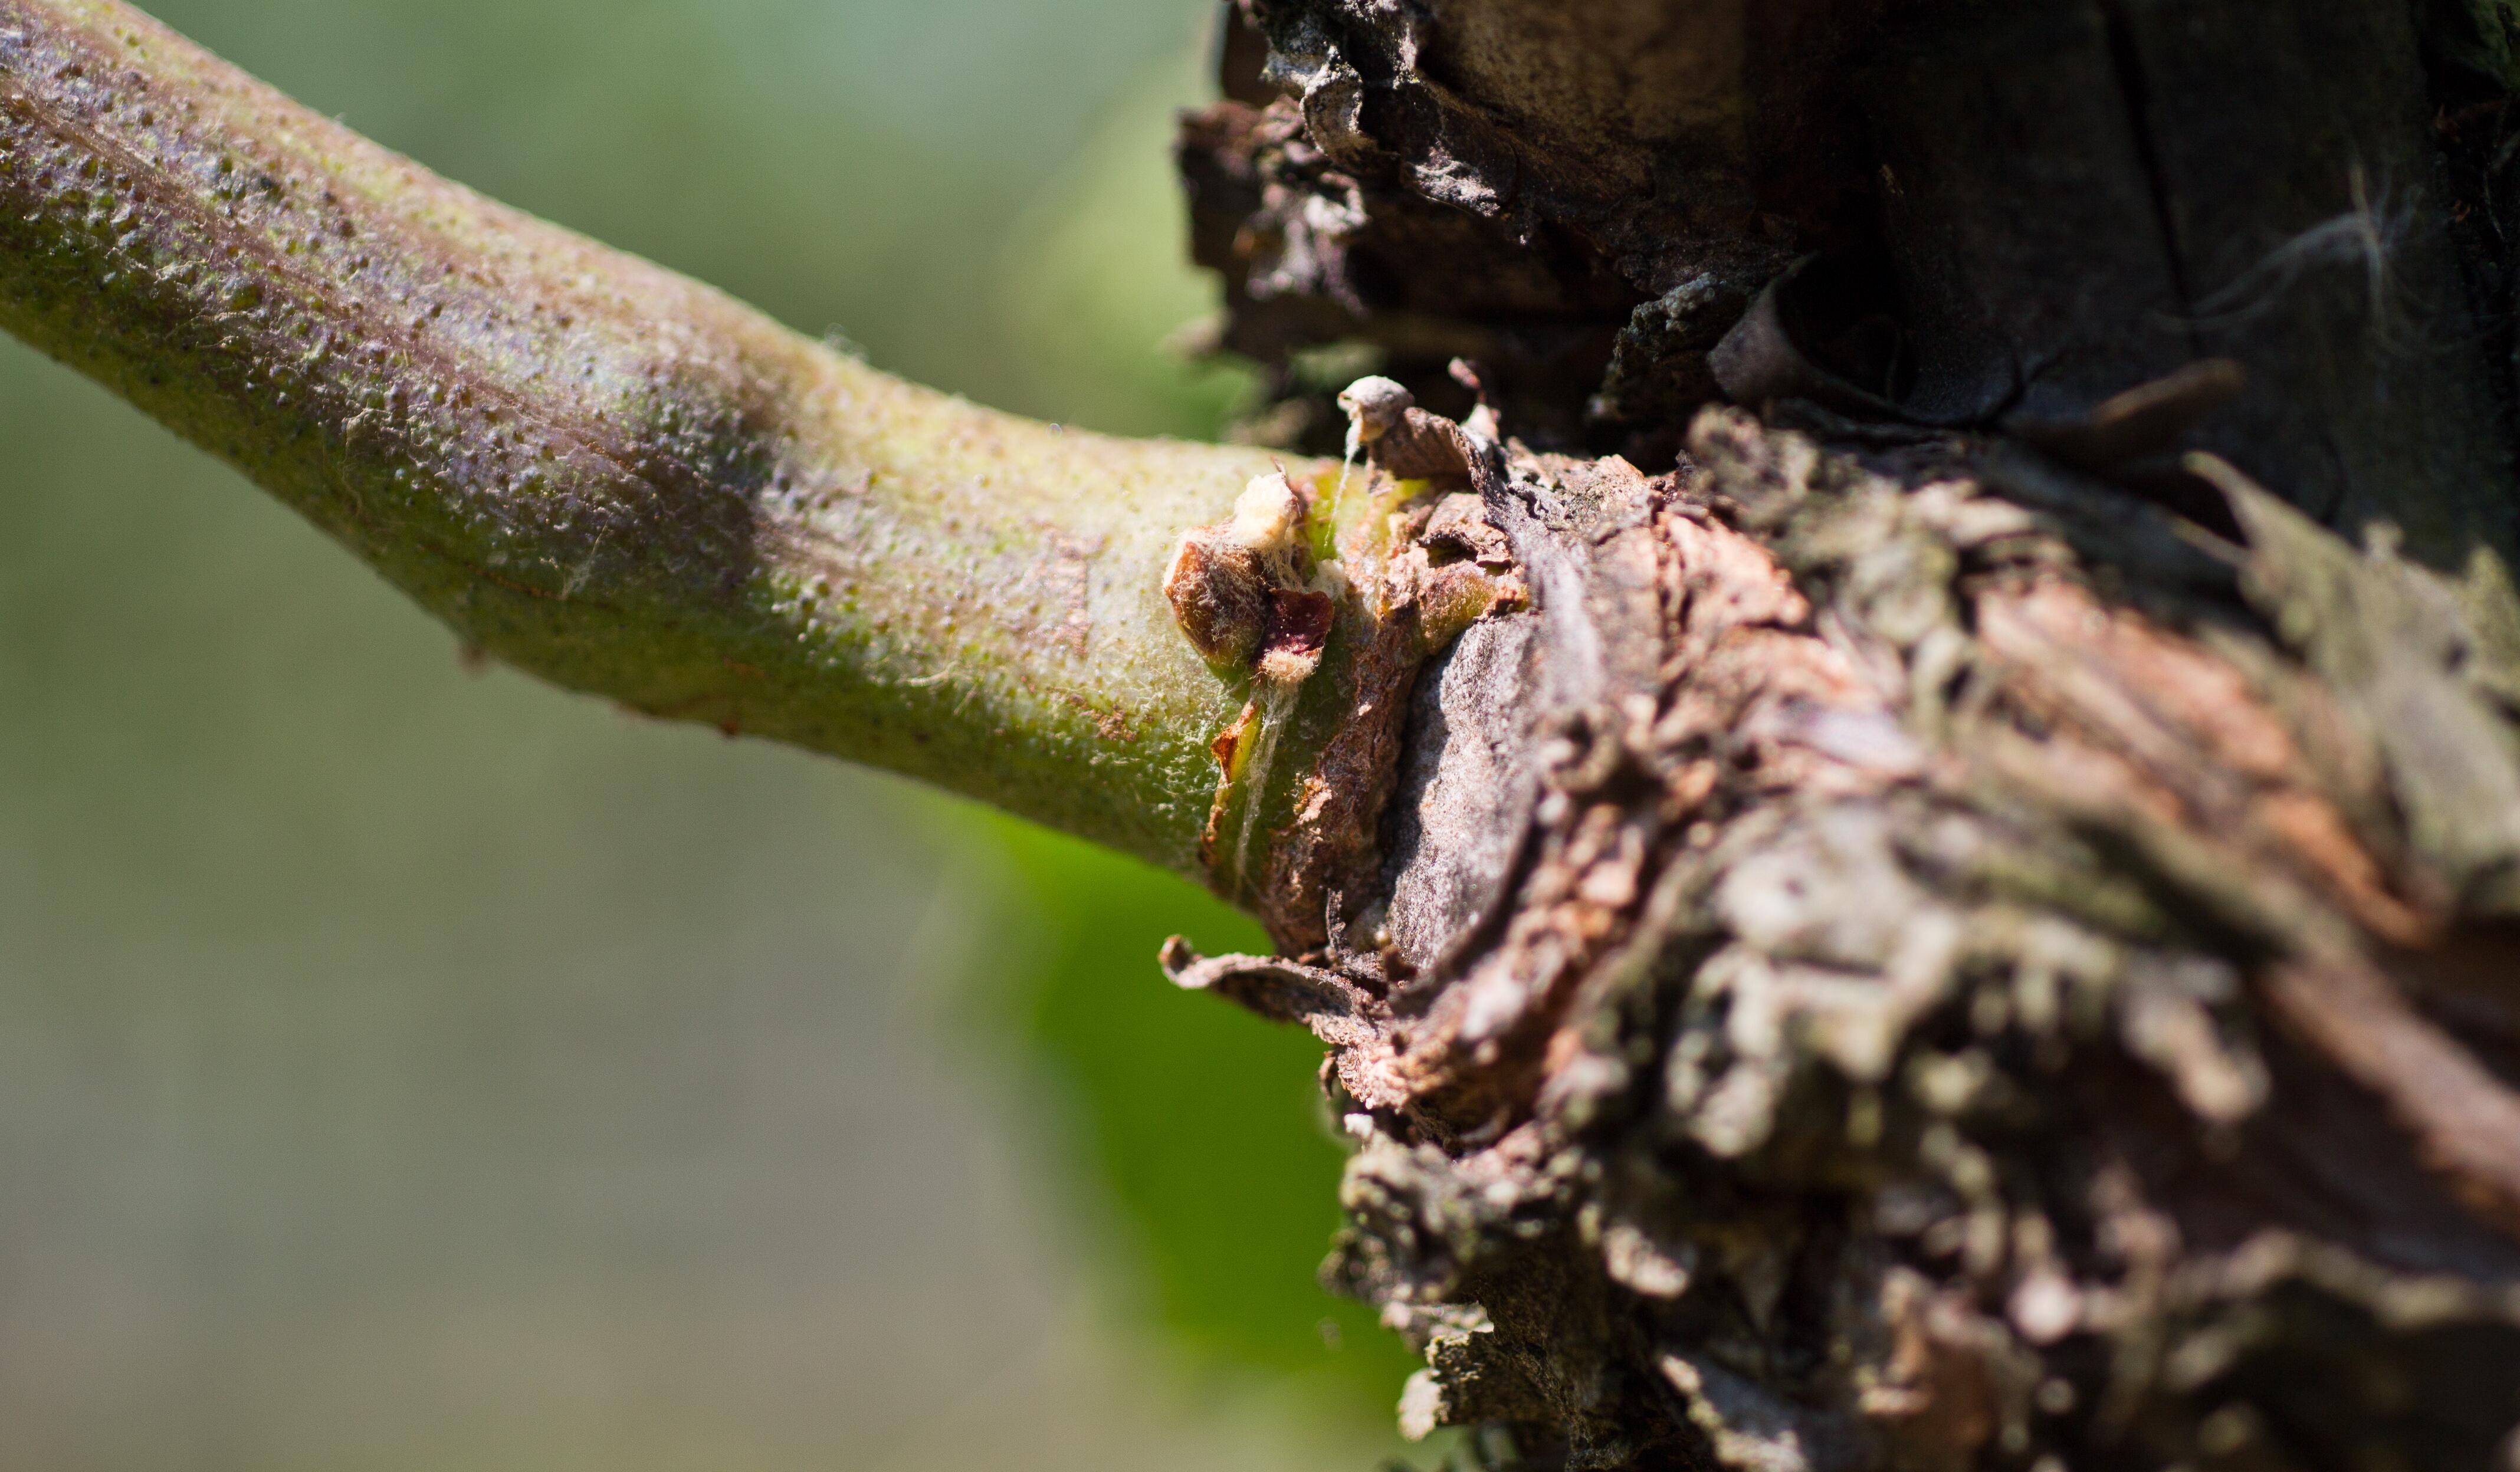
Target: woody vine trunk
[(1889, 759), (1971, 926)]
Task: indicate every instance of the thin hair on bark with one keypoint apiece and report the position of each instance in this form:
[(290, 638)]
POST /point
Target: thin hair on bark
[(2365, 238)]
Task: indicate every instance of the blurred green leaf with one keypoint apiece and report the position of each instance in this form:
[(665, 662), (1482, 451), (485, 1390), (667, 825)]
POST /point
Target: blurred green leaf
[(1203, 1123), (1100, 290)]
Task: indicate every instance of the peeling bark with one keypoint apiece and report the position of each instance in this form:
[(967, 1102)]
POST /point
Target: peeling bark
[(1893, 774), (1939, 1011), (1970, 925)]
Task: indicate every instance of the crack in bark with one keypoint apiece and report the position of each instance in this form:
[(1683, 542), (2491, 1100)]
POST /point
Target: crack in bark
[(2127, 63), (1916, 1024)]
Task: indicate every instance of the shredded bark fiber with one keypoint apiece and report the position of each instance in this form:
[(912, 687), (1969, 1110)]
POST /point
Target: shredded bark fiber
[(1936, 1006), (1957, 930)]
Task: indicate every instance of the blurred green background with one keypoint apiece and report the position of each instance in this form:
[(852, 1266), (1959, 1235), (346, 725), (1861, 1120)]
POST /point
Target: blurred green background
[(408, 1068)]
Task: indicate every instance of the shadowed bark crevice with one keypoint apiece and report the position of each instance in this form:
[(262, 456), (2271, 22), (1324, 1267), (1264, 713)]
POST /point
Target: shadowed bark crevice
[(1932, 946), (1955, 911), (1937, 1012), (2071, 198)]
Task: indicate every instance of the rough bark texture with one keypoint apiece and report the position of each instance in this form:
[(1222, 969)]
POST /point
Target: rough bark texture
[(1941, 1007), (1956, 904), (1972, 923)]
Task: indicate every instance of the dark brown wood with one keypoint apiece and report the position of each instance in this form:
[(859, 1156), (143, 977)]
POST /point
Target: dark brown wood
[(1963, 931)]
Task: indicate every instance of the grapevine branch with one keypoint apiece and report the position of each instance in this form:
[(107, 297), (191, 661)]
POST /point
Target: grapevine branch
[(602, 473)]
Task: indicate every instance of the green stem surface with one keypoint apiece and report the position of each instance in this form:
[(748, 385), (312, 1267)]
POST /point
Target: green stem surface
[(597, 470)]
